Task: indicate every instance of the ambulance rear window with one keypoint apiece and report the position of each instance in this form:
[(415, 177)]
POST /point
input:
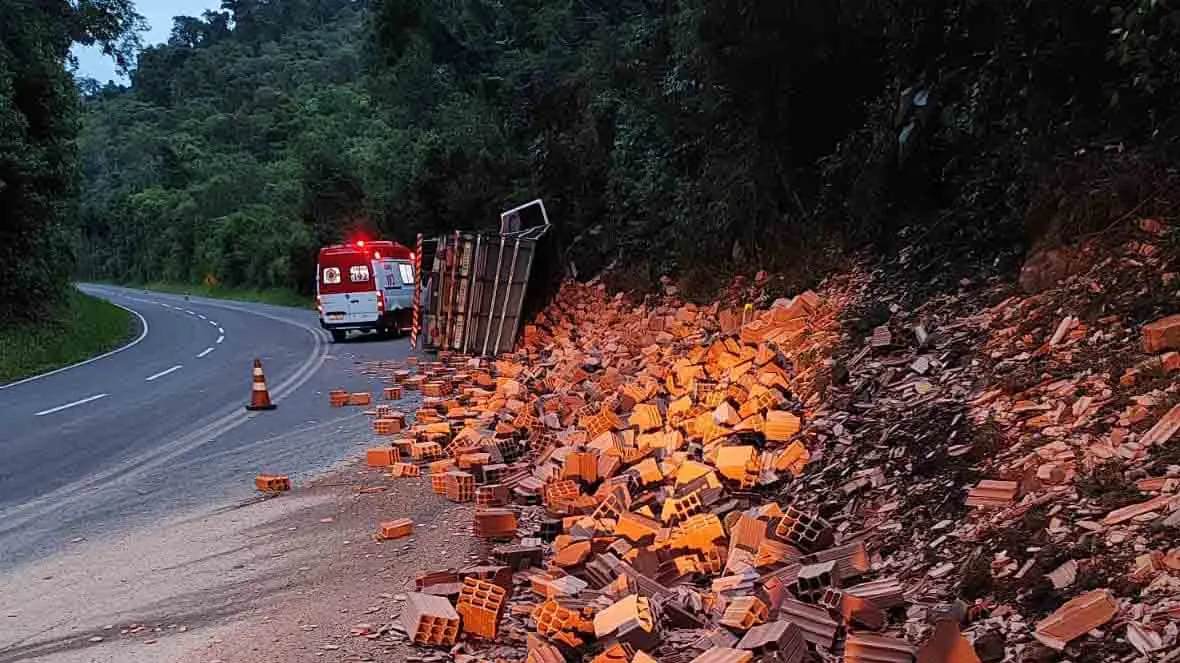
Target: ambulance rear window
[(331, 275), (358, 274), (407, 273)]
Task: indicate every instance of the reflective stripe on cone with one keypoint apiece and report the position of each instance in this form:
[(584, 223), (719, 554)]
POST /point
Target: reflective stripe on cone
[(259, 394)]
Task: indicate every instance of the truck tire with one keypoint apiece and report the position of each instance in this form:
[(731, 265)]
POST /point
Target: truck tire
[(338, 335)]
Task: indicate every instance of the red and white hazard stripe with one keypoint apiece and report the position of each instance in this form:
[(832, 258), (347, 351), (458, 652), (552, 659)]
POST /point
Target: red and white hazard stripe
[(416, 322)]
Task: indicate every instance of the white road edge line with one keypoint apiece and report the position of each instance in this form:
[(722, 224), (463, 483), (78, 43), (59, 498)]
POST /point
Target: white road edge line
[(213, 322), (220, 339), (12, 517), (220, 330), (165, 372), (189, 312), (67, 406), (142, 334), (204, 352)]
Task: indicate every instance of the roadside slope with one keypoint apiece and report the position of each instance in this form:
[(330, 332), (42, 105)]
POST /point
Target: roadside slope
[(79, 328)]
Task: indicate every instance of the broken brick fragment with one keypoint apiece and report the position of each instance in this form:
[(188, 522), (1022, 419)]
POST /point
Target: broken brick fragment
[(744, 612), (990, 493), (782, 638), (780, 426), (630, 609), (724, 655), (573, 554), (1076, 617), (1163, 334), (868, 648)]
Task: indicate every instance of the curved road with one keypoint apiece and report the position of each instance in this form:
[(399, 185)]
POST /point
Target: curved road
[(160, 423)]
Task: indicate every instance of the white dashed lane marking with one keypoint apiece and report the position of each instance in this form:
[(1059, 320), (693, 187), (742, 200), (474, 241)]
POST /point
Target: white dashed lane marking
[(165, 372), (67, 406), (204, 353)]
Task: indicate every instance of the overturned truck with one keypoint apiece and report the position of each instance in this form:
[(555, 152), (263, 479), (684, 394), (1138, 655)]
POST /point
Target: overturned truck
[(478, 286)]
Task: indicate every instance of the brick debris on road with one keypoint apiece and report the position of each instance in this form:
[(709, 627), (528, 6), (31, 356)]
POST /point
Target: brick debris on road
[(837, 476)]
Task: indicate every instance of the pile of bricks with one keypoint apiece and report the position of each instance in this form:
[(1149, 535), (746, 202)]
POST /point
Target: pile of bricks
[(624, 465), (709, 484)]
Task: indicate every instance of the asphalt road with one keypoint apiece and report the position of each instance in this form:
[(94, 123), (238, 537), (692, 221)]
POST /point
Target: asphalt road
[(160, 424)]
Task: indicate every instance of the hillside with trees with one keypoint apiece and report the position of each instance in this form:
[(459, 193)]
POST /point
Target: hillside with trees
[(38, 159), (689, 137)]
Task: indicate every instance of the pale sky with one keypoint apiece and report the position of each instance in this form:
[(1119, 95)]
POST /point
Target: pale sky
[(93, 64)]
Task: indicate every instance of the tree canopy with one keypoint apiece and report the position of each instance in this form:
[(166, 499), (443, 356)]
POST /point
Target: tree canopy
[(693, 137), (38, 120)]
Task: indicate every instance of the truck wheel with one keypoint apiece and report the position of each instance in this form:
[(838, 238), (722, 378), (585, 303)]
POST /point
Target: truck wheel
[(338, 335)]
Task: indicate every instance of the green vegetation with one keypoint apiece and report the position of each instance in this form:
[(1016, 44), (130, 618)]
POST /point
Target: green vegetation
[(687, 137), (38, 160), (75, 328), (276, 296), (235, 154)]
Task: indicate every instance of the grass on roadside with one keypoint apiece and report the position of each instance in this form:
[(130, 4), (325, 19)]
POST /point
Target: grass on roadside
[(276, 296), (78, 328)]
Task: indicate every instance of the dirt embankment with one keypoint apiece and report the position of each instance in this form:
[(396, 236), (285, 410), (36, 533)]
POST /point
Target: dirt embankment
[(1011, 452)]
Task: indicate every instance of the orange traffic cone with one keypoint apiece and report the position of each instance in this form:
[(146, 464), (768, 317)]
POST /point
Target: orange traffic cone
[(259, 394)]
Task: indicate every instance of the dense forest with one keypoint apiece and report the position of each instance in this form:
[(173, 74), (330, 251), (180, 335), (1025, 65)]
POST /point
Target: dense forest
[(688, 137), (38, 124)]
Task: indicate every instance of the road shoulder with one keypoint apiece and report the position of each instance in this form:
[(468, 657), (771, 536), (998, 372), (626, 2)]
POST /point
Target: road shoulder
[(79, 329), (268, 579)]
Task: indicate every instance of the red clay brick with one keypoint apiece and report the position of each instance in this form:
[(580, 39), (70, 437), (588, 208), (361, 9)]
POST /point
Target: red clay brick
[(1163, 334), (395, 529), (382, 456), (272, 483)]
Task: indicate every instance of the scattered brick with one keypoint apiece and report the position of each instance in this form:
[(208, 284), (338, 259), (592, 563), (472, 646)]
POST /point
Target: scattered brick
[(779, 637), (429, 620), (459, 486), (405, 470), (382, 457), (744, 612), (272, 483), (480, 605), (1163, 334), (1077, 617), (495, 523), (395, 529), (640, 447), (387, 426), (990, 493)]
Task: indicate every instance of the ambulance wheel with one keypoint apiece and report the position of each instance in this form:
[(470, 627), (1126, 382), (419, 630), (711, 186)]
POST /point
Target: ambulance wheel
[(338, 335)]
